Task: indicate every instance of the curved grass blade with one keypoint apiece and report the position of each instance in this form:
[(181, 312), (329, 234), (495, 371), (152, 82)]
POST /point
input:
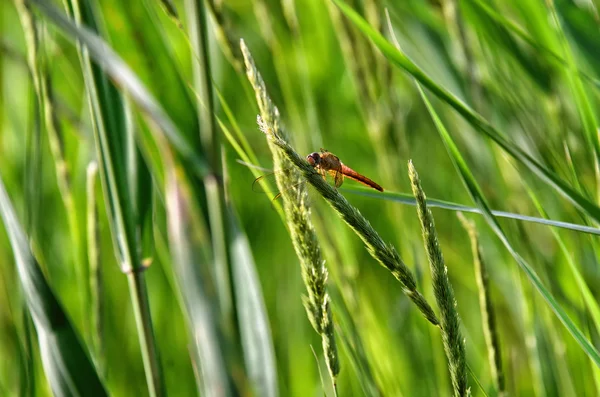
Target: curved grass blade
[(259, 355), (480, 124), (190, 248), (586, 293), (123, 177), (246, 157), (211, 142), (405, 198), (589, 121), (125, 78), (67, 365), (523, 35), (477, 196), (486, 307), (352, 344)]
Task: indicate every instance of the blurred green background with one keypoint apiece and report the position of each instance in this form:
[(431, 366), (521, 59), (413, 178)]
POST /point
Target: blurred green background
[(528, 67)]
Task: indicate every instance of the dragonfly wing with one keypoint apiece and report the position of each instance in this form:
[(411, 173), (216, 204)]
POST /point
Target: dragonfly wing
[(339, 178)]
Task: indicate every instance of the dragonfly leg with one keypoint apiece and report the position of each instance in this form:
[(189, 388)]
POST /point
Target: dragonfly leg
[(323, 174), (338, 178)]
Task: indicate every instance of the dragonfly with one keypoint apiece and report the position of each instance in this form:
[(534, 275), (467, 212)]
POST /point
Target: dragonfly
[(327, 163)]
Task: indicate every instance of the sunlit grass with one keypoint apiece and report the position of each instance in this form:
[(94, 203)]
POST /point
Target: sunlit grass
[(137, 258)]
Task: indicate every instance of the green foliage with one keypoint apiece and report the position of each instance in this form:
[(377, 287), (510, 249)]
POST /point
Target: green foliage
[(138, 259)]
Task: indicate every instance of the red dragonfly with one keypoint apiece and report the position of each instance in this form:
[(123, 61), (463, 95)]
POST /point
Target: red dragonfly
[(327, 163)]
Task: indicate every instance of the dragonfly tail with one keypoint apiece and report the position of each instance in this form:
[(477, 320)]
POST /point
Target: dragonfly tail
[(350, 173)]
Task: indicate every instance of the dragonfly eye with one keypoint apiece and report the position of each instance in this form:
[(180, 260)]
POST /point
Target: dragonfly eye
[(313, 159)]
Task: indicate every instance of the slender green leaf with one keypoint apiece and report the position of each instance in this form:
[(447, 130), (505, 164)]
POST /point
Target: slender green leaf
[(523, 35), (477, 196), (66, 363), (401, 60), (352, 343), (252, 315), (588, 296), (119, 169), (191, 255), (211, 142), (125, 78), (584, 106), (405, 198)]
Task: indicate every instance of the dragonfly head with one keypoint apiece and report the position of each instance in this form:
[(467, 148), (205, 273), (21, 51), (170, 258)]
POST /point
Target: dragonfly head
[(313, 159)]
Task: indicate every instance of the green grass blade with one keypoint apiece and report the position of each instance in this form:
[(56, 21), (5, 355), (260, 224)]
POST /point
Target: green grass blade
[(170, 9), (588, 296), (211, 142), (44, 89), (259, 355), (244, 150), (351, 341), (95, 271), (478, 198), (400, 59), (191, 254), (584, 106), (486, 307), (405, 198), (153, 38), (523, 35), (118, 168), (66, 363), (125, 78)]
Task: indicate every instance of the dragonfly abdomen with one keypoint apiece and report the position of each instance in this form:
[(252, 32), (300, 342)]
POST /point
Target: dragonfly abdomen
[(350, 173)]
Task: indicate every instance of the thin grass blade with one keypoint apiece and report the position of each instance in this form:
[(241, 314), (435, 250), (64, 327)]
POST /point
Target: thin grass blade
[(124, 77), (352, 342), (66, 363), (211, 142), (478, 198), (405, 198), (523, 35), (191, 255), (259, 355), (119, 168), (401, 60), (584, 106)]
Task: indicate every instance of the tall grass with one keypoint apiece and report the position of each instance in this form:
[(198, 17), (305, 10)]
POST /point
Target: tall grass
[(137, 258)]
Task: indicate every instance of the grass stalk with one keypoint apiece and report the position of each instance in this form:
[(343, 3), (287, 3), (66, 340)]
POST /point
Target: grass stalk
[(94, 257), (454, 344), (66, 364), (143, 320), (108, 115), (212, 147), (488, 317), (42, 85), (225, 36), (304, 238), (384, 253)]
